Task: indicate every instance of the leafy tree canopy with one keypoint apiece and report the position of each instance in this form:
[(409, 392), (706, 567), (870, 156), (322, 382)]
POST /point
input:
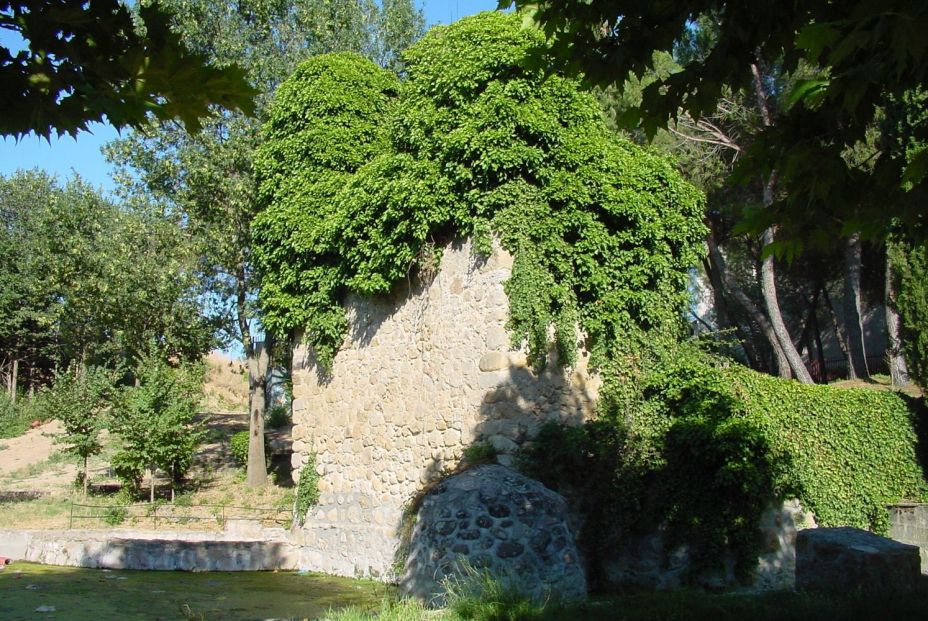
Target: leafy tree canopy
[(848, 59), (83, 279), (363, 179), (88, 60)]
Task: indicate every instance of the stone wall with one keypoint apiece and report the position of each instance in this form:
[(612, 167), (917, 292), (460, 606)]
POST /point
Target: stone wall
[(152, 550), (422, 376), (908, 523)]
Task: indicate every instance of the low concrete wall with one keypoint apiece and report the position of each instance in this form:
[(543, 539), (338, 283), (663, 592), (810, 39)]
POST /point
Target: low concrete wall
[(908, 523), (152, 550)]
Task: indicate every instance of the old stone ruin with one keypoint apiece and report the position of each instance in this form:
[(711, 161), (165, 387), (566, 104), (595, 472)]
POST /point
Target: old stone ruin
[(424, 376)]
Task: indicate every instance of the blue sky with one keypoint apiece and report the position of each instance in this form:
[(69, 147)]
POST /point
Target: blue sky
[(82, 155)]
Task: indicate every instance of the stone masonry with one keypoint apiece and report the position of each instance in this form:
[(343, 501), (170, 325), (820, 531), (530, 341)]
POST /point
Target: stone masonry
[(422, 376)]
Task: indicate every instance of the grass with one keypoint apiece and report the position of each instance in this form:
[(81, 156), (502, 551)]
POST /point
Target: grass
[(98, 595), (666, 606), (44, 512), (880, 382)]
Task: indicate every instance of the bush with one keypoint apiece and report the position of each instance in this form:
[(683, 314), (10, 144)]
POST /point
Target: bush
[(238, 446), (156, 421), (15, 418), (79, 397), (278, 417)]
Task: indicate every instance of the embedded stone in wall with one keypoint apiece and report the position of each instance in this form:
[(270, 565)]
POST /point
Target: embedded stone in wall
[(494, 519), (846, 559)]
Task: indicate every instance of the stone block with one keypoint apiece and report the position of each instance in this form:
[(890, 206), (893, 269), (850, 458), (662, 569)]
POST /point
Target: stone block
[(908, 523), (847, 559), (493, 361), (496, 520)]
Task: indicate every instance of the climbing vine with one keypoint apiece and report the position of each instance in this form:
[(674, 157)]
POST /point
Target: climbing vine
[(361, 177)]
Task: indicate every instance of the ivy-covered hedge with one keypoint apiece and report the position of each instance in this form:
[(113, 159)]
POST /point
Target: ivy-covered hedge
[(851, 451), (704, 446)]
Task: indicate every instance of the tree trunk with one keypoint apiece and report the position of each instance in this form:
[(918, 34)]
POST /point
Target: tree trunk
[(755, 313), (769, 291), (14, 380), (768, 279), (898, 371), (817, 333), (840, 336), (257, 369), (151, 474), (256, 363), (86, 477), (853, 324)]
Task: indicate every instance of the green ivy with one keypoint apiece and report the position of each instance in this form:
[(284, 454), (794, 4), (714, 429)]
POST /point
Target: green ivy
[(307, 490), (363, 177), (703, 447)]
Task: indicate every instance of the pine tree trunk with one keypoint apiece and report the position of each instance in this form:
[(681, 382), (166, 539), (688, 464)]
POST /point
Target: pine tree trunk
[(757, 316), (151, 474), (86, 477), (897, 367), (817, 333), (768, 280), (853, 324), (840, 336), (769, 291)]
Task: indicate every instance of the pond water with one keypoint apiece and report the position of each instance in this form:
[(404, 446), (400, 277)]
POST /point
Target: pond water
[(100, 595)]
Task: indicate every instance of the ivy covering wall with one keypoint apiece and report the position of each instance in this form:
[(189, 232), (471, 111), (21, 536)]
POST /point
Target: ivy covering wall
[(704, 446), (364, 178)]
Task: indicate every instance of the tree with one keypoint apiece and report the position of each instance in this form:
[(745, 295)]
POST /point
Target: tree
[(860, 54), (156, 421), (708, 148), (86, 280), (79, 397), (208, 177), (910, 266), (86, 61)]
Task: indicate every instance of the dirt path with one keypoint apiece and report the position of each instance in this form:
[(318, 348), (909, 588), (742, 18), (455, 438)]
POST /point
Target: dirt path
[(33, 447)]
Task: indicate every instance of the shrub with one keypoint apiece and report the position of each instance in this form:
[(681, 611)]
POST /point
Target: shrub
[(278, 417), (15, 418), (910, 264), (80, 397), (156, 421), (238, 446)]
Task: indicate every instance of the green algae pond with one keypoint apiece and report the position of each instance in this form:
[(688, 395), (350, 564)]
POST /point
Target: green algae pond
[(29, 591)]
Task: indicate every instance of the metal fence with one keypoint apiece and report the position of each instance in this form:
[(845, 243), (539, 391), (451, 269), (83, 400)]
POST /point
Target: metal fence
[(159, 513)]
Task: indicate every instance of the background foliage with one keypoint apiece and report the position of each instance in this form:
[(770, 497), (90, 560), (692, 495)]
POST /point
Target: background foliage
[(87, 61)]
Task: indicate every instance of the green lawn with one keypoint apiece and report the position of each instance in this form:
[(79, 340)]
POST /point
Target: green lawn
[(98, 595)]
